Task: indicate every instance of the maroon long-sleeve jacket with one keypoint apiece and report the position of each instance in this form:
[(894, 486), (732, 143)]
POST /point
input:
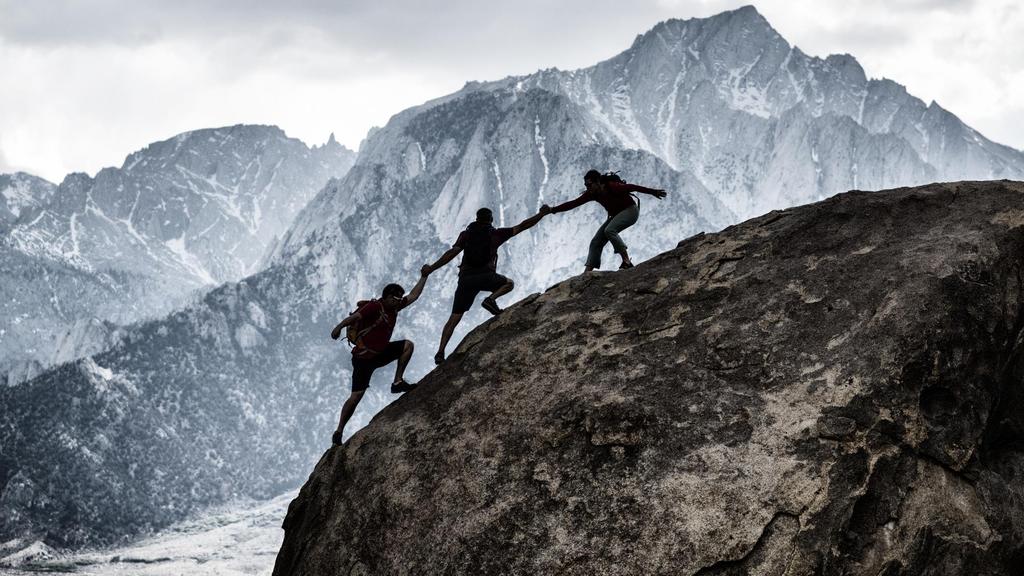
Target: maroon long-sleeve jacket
[(615, 198)]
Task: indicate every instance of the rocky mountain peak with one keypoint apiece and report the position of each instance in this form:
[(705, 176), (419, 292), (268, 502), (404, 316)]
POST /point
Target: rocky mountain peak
[(830, 389), (22, 194), (201, 142), (180, 215)]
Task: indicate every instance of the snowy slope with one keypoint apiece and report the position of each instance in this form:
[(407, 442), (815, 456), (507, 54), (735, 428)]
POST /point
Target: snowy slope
[(241, 539), (21, 195), (179, 216), (764, 125)]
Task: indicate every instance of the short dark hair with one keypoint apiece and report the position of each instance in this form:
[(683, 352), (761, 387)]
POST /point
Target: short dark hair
[(592, 175), (484, 215), (393, 290)]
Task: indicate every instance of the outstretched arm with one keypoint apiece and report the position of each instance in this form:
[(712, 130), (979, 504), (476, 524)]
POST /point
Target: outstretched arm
[(414, 294), (656, 192), (532, 220), (336, 333), (444, 259), (566, 206)]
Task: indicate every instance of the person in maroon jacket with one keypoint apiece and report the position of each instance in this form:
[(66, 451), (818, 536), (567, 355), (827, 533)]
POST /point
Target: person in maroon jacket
[(623, 212), (478, 271), (373, 347)]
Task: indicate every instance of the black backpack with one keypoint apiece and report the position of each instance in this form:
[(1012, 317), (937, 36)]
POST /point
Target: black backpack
[(612, 177), (477, 251)]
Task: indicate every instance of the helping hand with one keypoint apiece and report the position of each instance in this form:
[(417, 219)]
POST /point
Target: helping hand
[(426, 270), (659, 194), (545, 209)]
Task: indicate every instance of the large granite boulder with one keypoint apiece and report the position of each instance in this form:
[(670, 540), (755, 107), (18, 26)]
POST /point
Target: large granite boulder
[(830, 389)]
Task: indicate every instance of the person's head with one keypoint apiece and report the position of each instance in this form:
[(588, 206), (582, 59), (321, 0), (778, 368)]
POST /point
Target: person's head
[(484, 215), (392, 295), (592, 180)]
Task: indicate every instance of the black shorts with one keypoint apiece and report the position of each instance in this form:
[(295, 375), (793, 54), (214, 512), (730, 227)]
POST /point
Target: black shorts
[(471, 285), (362, 369)]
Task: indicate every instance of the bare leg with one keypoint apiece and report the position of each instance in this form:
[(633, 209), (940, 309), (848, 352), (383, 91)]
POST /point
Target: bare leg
[(403, 360), (446, 335), (348, 409), (504, 289)]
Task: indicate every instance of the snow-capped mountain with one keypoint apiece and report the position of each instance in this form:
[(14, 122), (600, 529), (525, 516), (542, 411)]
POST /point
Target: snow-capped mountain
[(22, 194), (190, 212), (51, 312), (764, 125), (236, 395), (201, 207)]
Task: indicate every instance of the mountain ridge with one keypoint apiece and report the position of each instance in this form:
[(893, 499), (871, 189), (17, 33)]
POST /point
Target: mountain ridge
[(180, 216)]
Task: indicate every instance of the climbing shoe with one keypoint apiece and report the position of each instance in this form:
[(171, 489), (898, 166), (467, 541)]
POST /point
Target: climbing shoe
[(400, 386), (491, 306)]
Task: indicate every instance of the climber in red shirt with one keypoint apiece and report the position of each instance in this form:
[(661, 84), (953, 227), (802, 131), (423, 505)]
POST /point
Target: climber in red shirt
[(614, 195), (374, 321)]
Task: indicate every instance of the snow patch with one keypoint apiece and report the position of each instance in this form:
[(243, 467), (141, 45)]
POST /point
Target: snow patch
[(538, 139), (501, 193), (17, 195), (36, 552), (104, 380), (257, 315), (626, 137), (189, 260), (248, 337), (745, 95)]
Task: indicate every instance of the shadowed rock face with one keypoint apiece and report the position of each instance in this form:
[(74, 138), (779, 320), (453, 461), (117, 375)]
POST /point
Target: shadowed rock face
[(830, 389)]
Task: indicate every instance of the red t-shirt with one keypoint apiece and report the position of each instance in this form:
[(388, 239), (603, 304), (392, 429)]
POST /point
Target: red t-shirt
[(380, 334), (498, 237), (615, 198)]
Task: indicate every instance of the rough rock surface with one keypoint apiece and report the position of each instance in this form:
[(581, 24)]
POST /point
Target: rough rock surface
[(830, 389)]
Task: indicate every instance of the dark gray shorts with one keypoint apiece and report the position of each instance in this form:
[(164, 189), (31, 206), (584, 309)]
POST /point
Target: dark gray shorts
[(471, 285), (362, 368)]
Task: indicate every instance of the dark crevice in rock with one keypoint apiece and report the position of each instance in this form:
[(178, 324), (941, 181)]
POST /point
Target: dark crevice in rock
[(739, 565)]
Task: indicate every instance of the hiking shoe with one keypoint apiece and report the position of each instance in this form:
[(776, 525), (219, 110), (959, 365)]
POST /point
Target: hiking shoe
[(336, 438), (491, 306), (625, 265), (438, 358), (400, 386)]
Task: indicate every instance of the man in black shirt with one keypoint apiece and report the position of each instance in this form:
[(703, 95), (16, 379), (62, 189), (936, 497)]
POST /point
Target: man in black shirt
[(478, 270)]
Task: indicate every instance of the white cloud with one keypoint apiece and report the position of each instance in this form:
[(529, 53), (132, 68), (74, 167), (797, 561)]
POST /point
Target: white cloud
[(98, 79), (5, 168)]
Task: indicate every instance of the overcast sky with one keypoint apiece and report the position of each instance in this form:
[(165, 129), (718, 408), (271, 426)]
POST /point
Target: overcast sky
[(87, 82)]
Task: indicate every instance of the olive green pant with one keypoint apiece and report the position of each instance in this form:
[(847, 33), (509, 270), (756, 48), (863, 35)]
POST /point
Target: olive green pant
[(609, 232)]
